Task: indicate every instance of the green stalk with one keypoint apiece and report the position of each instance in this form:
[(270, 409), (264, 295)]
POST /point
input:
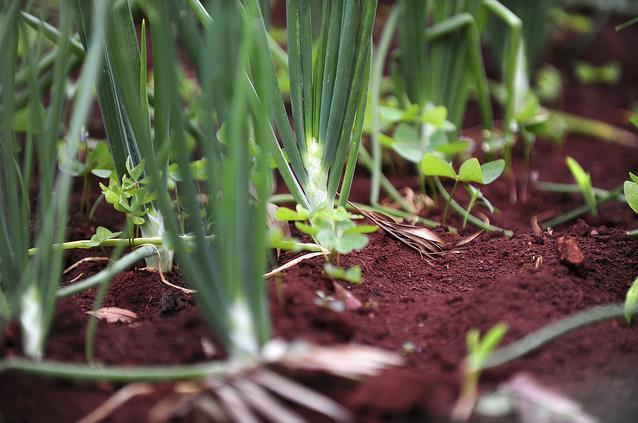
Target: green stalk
[(471, 218), (447, 204), (581, 210), (412, 16), (375, 96), (594, 128), (512, 50), (552, 331), (384, 182), (466, 23), (567, 188), (357, 133), (124, 374), (352, 126), (51, 32)]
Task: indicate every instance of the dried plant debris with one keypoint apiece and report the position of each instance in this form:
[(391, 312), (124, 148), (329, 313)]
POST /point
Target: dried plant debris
[(425, 241), (569, 251), (350, 302), (114, 315), (532, 402), (261, 393)]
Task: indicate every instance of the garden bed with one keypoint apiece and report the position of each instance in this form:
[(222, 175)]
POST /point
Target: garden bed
[(519, 280)]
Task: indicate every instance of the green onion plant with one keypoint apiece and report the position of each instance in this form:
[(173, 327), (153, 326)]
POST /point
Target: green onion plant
[(123, 98), (226, 270), (536, 17), (28, 284), (433, 72), (328, 92)]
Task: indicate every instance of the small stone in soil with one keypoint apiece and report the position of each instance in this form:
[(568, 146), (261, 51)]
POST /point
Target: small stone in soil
[(569, 251)]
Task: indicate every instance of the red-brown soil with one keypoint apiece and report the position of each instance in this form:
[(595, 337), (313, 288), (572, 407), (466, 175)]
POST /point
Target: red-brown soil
[(406, 299)]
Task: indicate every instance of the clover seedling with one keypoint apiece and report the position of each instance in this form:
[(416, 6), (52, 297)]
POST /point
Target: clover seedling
[(130, 196), (102, 234), (583, 179), (470, 171), (588, 74), (351, 274), (434, 134), (333, 229), (631, 301)]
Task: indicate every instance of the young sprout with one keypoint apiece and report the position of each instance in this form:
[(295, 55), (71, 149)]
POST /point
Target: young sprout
[(102, 234), (479, 350), (476, 196), (94, 158), (130, 196), (583, 179), (607, 74), (631, 192), (351, 274), (436, 132), (631, 301), (549, 83), (470, 171)]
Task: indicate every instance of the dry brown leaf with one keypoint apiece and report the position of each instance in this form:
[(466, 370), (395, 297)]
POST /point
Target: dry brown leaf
[(425, 241), (114, 314), (348, 361), (117, 400), (421, 239), (535, 220), (536, 403), (351, 302)]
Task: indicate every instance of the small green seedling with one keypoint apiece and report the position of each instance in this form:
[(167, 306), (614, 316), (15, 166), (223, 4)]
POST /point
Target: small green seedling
[(419, 133), (476, 197), (549, 83), (351, 274), (631, 192), (631, 301), (479, 350), (102, 234), (607, 74), (197, 168), (333, 229), (583, 179), (93, 158), (470, 171), (130, 195)]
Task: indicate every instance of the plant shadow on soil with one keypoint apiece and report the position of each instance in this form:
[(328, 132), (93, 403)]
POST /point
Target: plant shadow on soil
[(406, 299)]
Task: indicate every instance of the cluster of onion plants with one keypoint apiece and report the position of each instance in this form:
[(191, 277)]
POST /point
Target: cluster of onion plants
[(433, 72), (194, 177), (28, 284), (226, 269)]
